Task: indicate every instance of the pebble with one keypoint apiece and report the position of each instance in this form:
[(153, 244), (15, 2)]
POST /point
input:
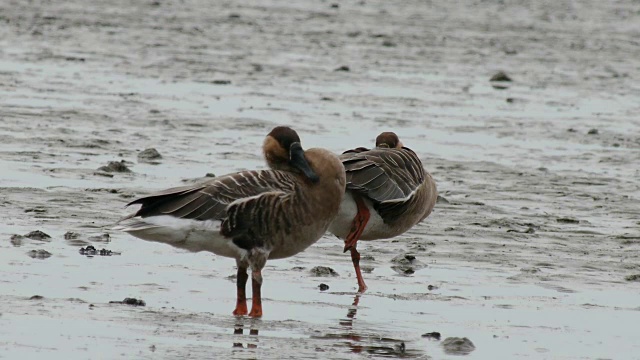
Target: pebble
[(458, 346), (323, 271)]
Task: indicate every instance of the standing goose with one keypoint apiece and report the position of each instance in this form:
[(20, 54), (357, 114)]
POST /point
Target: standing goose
[(388, 192), (250, 216)]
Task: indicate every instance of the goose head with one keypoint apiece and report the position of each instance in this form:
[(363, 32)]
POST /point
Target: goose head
[(283, 151)]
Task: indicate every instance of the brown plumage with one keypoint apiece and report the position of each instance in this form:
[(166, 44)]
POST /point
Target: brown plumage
[(251, 216), (388, 192)]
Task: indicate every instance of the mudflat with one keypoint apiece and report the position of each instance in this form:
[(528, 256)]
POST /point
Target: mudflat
[(533, 250)]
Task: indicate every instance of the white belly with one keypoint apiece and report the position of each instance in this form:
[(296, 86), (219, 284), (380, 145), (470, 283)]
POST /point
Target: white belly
[(192, 235), (375, 229)]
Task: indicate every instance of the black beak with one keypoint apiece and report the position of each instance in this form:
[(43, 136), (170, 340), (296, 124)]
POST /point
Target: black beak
[(297, 160)]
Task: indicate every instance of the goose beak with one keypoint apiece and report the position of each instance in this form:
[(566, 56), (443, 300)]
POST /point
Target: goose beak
[(297, 160)]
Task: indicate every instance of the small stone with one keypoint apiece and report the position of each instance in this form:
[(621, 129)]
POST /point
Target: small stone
[(324, 271), (567, 221), (39, 254), (221, 82), (70, 235), (16, 240), (593, 132), (635, 277), (343, 68), (323, 287), (432, 335), (405, 259), (149, 154), (388, 43), (36, 297), (38, 235), (572, 130), (210, 175), (100, 238), (89, 250), (432, 287), (115, 166), (458, 346), (501, 76), (335, 6), (130, 301)]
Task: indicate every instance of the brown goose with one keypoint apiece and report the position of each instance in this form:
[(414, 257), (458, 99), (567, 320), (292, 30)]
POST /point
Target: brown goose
[(388, 192), (250, 216)]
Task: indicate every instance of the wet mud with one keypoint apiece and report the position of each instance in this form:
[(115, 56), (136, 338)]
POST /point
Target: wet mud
[(532, 251)]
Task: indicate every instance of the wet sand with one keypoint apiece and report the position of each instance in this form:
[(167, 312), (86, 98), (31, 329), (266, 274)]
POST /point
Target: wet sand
[(532, 251)]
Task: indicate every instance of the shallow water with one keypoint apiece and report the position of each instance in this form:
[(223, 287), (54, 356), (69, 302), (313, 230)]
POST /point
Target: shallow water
[(526, 255)]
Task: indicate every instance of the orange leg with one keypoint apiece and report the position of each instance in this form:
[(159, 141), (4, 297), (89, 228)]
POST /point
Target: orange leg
[(359, 224), (355, 257), (241, 300), (256, 303)]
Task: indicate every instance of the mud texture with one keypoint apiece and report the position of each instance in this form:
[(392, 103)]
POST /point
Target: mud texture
[(533, 250)]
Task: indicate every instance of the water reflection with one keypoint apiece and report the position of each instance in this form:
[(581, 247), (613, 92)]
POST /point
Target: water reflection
[(238, 330), (360, 341)]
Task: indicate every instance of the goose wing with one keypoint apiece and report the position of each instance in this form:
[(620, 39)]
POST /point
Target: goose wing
[(387, 177)]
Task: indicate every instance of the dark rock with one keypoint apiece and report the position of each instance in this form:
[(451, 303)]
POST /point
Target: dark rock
[(39, 254), (335, 6), (323, 287), (458, 346), (343, 68), (38, 235), (567, 221), (572, 130), (100, 238), (323, 271), (16, 240), (70, 235), (406, 259), (500, 76), (130, 301), (221, 82), (510, 100), (367, 258), (150, 154), (406, 264), (593, 132), (36, 297), (92, 251), (635, 277), (212, 175), (115, 166), (388, 43), (432, 335)]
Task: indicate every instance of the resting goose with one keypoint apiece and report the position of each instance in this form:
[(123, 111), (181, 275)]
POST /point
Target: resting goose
[(250, 216), (388, 192)]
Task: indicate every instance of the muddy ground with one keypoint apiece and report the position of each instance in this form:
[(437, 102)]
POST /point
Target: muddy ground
[(531, 253)]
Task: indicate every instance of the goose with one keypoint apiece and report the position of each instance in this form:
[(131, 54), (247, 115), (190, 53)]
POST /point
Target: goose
[(388, 192), (251, 216)]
